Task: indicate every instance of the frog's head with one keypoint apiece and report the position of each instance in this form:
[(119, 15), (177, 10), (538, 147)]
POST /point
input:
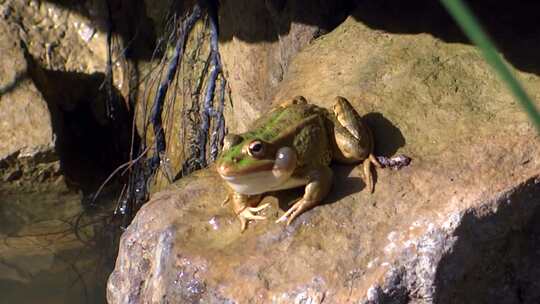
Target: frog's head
[(252, 166)]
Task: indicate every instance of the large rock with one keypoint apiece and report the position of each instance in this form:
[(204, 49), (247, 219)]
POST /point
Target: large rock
[(258, 39), (449, 228), (60, 35), (57, 79), (27, 138)]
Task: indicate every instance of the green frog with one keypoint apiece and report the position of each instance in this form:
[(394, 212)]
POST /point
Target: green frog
[(292, 146)]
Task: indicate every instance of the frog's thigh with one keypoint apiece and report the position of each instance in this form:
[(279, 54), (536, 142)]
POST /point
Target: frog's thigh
[(347, 149), (353, 140), (315, 191)]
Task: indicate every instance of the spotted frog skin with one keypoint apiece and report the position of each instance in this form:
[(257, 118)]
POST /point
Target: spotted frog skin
[(292, 146)]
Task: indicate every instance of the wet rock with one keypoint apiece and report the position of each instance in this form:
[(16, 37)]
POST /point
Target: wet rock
[(456, 225), (27, 139)]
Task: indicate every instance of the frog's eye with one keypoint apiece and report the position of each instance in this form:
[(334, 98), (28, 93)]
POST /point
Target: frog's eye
[(256, 148)]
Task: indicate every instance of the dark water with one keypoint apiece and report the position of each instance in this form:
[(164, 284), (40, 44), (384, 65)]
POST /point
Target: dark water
[(52, 250)]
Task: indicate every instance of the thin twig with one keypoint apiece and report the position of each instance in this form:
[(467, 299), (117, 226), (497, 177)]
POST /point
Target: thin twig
[(129, 163)]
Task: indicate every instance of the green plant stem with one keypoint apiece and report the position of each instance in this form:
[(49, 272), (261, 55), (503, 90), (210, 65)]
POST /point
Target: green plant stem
[(465, 19)]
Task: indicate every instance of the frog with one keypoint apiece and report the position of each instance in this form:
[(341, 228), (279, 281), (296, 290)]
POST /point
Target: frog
[(293, 146)]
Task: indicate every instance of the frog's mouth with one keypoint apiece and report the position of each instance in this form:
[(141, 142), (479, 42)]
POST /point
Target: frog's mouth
[(268, 176), (253, 183)]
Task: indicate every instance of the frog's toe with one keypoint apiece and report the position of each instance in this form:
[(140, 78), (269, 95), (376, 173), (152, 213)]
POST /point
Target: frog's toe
[(254, 217), (368, 175), (226, 200), (374, 160), (259, 208), (248, 214), (285, 215), (243, 223), (295, 211)]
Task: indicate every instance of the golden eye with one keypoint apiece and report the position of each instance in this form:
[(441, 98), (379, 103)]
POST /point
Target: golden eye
[(256, 148)]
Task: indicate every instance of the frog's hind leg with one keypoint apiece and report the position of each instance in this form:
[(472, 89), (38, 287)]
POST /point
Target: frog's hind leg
[(353, 139), (368, 175)]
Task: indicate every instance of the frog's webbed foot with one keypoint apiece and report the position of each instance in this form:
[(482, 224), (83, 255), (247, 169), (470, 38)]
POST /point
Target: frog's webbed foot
[(249, 214), (296, 209), (226, 200), (316, 190), (245, 207), (368, 174)]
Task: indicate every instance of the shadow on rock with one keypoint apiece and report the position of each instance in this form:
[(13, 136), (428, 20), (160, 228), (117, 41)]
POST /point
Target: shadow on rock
[(90, 144), (129, 19), (388, 138), (496, 256), (343, 186), (512, 26), (256, 21)]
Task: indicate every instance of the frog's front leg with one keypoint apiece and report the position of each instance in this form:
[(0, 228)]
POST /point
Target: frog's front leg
[(319, 184), (245, 207)]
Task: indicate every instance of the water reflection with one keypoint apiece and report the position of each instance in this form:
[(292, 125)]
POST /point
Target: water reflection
[(52, 250)]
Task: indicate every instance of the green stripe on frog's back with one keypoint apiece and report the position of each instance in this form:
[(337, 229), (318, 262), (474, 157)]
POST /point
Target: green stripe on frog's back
[(274, 126), (278, 121)]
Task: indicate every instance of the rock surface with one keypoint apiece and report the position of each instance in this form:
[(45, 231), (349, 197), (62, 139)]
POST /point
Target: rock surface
[(448, 229), (53, 112), (258, 41), (27, 139)]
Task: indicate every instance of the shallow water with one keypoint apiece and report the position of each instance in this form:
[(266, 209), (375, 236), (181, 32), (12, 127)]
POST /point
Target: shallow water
[(52, 250)]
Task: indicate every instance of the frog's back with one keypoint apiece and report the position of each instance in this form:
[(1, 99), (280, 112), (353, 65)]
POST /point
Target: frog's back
[(301, 126), (276, 122)]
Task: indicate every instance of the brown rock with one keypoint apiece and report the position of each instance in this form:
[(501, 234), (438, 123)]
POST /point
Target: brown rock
[(258, 39), (60, 36), (177, 123), (55, 74), (25, 122), (448, 228)]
